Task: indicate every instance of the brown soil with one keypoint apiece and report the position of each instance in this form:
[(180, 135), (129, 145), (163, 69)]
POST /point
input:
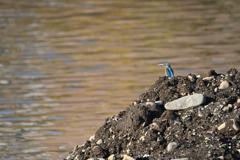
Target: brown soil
[(147, 128)]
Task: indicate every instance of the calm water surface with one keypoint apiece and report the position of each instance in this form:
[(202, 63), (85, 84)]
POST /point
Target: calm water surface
[(67, 65)]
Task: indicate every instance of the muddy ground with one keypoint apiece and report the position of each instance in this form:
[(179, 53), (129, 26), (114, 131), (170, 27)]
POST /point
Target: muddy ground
[(146, 128)]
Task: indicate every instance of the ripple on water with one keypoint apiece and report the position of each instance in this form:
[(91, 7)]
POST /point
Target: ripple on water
[(86, 42), (72, 88), (15, 119), (55, 118), (6, 112), (52, 56), (27, 53), (28, 74), (101, 67), (217, 62), (18, 101), (52, 132)]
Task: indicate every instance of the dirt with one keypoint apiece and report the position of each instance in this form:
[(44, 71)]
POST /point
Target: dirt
[(146, 128)]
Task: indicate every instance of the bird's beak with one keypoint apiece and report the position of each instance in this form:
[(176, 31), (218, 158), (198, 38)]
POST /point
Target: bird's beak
[(161, 64)]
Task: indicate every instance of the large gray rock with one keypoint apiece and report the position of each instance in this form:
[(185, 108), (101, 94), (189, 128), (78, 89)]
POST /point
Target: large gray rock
[(186, 102)]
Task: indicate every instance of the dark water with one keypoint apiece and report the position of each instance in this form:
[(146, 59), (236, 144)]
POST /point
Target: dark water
[(67, 65)]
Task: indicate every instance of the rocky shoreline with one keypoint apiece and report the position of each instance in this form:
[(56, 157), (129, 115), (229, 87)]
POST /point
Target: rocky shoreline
[(185, 117)]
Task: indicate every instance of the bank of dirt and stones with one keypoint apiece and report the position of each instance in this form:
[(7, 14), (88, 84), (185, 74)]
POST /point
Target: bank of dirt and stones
[(147, 130)]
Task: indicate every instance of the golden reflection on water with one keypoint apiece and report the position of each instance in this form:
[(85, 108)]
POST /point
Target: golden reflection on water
[(66, 66)]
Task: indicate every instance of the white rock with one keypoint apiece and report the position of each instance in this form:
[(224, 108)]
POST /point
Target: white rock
[(200, 114), (222, 126), (224, 85), (126, 157), (221, 157), (145, 155), (150, 103), (154, 126), (180, 159), (92, 138), (208, 78), (77, 157), (172, 146), (190, 77), (99, 142), (186, 102), (225, 109), (235, 125), (238, 101), (128, 151), (112, 157), (142, 138), (216, 89), (238, 150), (159, 103), (134, 103)]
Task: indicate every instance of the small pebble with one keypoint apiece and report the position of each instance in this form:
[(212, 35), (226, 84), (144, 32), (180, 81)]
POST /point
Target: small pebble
[(77, 157), (99, 142), (198, 76), (208, 78), (225, 109), (150, 103), (126, 157), (154, 126), (172, 146), (200, 114), (229, 128), (142, 138), (224, 85), (238, 101), (221, 157), (135, 103), (159, 139), (159, 103), (111, 157), (92, 138), (192, 78), (238, 150)]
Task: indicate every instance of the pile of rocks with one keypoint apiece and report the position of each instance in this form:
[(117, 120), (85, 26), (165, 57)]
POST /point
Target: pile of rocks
[(183, 117)]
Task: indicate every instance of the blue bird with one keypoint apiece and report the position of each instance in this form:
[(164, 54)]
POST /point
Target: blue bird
[(168, 70)]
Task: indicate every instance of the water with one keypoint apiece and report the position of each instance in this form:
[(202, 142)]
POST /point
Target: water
[(66, 66)]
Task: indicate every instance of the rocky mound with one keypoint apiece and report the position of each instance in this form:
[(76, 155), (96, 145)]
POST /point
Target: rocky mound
[(182, 117)]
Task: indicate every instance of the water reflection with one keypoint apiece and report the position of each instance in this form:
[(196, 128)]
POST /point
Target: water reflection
[(66, 66), (52, 132)]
